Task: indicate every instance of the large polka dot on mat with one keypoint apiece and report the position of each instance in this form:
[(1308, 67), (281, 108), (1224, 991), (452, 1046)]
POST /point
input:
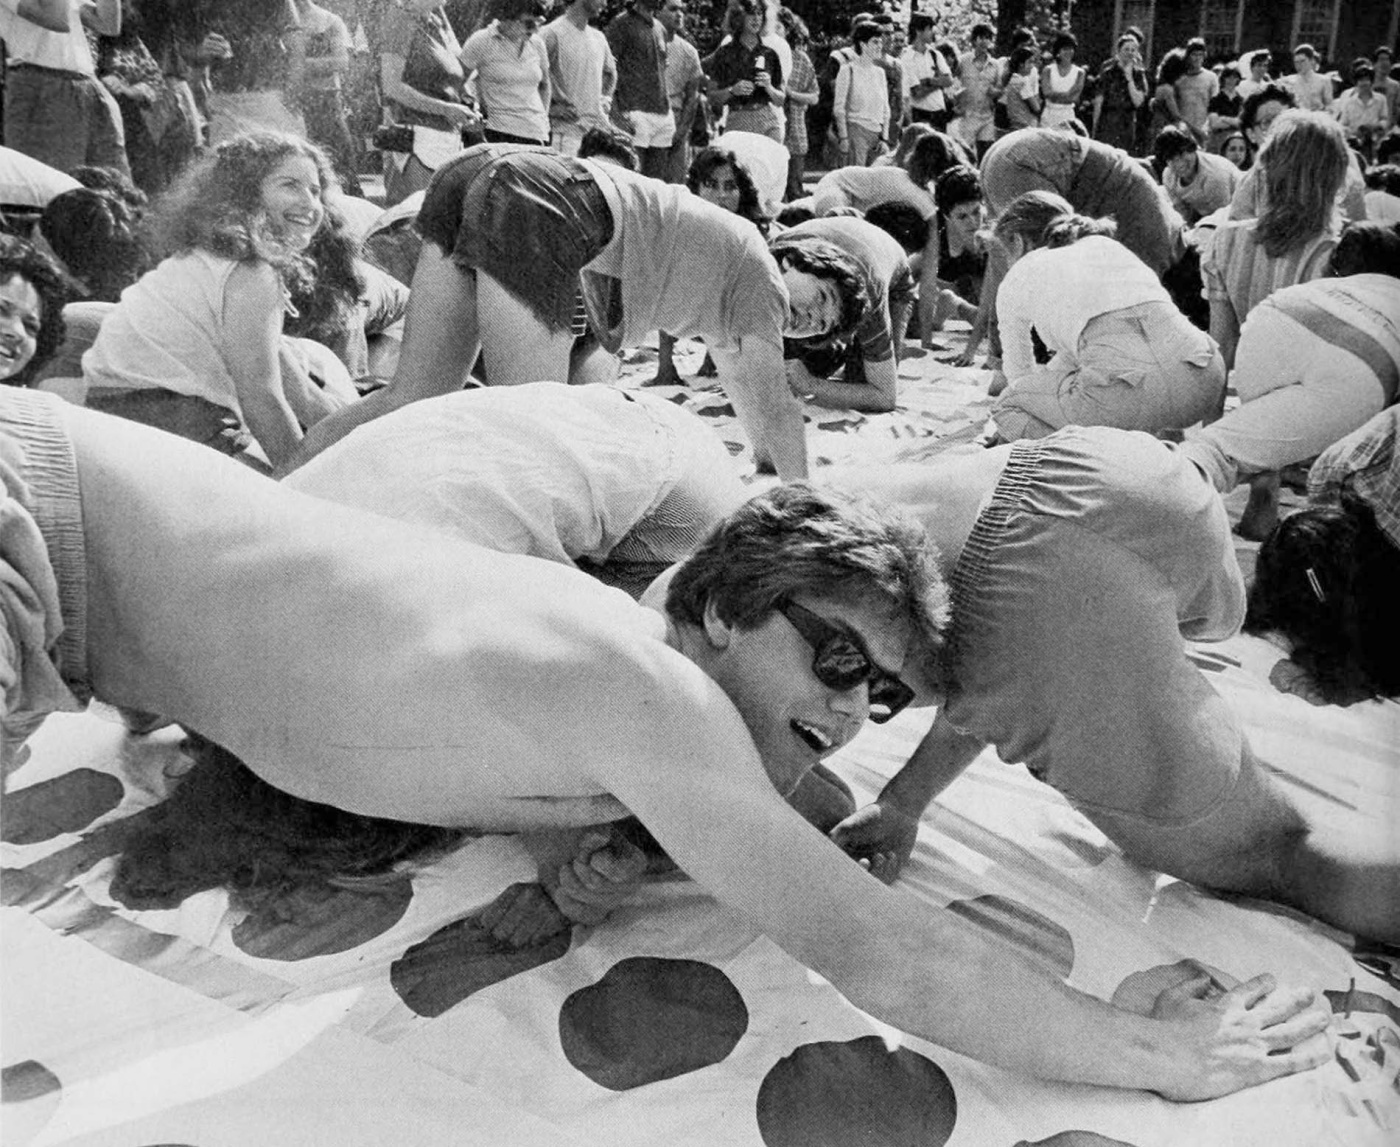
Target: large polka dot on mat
[(440, 972), (1075, 1139), (322, 921), (650, 1019), (1037, 936), (30, 1094), (54, 807), (856, 1094)]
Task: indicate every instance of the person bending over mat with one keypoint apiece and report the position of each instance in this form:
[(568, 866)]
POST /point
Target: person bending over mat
[(513, 232), (1080, 563), (396, 672)]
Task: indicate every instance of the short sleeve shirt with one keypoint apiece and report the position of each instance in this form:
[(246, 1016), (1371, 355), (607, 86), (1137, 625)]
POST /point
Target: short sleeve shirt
[(733, 62), (639, 46)]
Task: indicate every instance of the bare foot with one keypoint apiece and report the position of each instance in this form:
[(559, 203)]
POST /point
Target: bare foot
[(1260, 515)]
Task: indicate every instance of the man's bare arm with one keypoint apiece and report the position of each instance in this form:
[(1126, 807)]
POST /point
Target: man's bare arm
[(51, 15), (926, 971), (876, 395), (755, 381)]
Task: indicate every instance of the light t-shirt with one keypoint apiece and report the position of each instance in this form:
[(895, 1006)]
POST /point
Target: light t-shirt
[(863, 187), (581, 70), (920, 66)]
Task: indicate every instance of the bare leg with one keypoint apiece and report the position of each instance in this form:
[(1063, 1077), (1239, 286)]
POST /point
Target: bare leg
[(516, 345), (592, 363), (441, 333), (666, 362)]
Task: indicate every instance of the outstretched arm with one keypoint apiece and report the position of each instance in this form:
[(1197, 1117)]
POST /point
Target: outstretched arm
[(755, 381), (252, 342)]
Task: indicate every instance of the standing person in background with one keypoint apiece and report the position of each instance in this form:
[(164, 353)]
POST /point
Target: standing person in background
[(802, 93), (1361, 110), (640, 104), (56, 109), (1258, 78), (926, 74), (1386, 84), (746, 76), (1225, 109), (1162, 109), (582, 74), (249, 88), (421, 78), (511, 66), (1121, 92), (685, 77), (861, 108), (316, 89), (1312, 91), (1061, 82), (1022, 95), (1195, 88), (980, 75)]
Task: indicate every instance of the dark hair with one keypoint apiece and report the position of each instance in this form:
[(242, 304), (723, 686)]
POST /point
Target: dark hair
[(1362, 70), (1325, 579), (932, 156), (957, 185), (521, 9), (605, 142), (920, 22), (1230, 72), (1305, 50), (1171, 67), (739, 11), (798, 538), (21, 259), (710, 159), (1271, 93), (1062, 41), (865, 33), (1019, 56), (1021, 35), (1302, 165), (824, 260), (96, 235), (1171, 141), (1368, 248), (903, 221), (1263, 55), (1388, 147), (982, 32), (798, 34), (1383, 177), (1248, 150), (113, 181), (909, 135), (224, 827), (1383, 50), (949, 51), (1195, 44), (794, 213), (1136, 33), (216, 205)]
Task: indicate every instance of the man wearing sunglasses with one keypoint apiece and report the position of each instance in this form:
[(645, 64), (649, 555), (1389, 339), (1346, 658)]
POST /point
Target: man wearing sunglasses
[(394, 671)]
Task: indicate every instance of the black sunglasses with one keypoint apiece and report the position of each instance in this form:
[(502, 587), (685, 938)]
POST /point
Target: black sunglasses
[(840, 661)]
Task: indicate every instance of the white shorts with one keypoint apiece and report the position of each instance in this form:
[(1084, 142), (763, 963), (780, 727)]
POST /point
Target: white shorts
[(652, 129)]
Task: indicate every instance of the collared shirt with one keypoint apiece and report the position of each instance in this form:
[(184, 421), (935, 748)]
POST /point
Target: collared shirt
[(682, 70), (638, 45), (1366, 463), (919, 66), (27, 43), (977, 80), (509, 76)]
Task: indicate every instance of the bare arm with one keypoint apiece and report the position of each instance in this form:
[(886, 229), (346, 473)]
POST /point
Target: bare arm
[(252, 336), (396, 91), (755, 381), (923, 970), (337, 61), (1225, 329), (876, 395)]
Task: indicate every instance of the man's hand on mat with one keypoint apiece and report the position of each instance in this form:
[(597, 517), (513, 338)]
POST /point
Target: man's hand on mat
[(1244, 1036), (602, 875), (880, 836)]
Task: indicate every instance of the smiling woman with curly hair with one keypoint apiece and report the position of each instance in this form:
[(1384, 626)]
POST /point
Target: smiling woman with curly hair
[(196, 346)]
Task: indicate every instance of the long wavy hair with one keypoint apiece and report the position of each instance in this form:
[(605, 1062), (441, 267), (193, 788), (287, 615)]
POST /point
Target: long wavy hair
[(1302, 165), (216, 206), (20, 259)]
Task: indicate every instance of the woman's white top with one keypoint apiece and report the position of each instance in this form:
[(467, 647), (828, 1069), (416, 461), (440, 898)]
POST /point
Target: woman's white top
[(1060, 291)]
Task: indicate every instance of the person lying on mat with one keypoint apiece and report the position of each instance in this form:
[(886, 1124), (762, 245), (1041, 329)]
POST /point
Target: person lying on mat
[(393, 671), (1080, 563), (515, 234)]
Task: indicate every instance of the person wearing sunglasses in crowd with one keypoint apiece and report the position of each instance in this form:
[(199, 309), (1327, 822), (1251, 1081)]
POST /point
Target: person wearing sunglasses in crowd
[(401, 674)]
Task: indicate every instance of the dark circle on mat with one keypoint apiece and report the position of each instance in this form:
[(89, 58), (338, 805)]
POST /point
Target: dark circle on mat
[(26, 1080), (64, 804), (1033, 933), (650, 1019), (1075, 1139), (856, 1094), (461, 958)]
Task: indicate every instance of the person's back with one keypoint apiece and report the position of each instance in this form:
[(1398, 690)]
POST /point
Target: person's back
[(863, 187)]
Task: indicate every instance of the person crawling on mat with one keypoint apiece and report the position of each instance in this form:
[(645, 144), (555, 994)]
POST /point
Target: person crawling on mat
[(392, 671), (1080, 563)]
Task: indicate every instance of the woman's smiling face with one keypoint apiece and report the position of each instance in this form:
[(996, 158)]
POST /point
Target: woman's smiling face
[(291, 196), (21, 314)]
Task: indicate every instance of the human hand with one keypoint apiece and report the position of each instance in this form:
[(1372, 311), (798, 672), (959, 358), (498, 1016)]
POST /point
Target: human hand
[(997, 383), (522, 915), (602, 875), (741, 88), (460, 116), (1247, 1035), (880, 836)]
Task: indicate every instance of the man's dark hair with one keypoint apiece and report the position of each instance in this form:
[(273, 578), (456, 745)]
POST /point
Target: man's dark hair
[(921, 22), (96, 235), (1172, 141), (865, 33), (957, 185), (932, 156), (1229, 71), (1383, 177), (1264, 54), (1306, 50), (1195, 44), (1383, 50), (1062, 41), (1362, 70), (1269, 93), (1019, 56), (903, 221), (982, 32), (824, 260), (601, 141), (1367, 248), (1388, 147)]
